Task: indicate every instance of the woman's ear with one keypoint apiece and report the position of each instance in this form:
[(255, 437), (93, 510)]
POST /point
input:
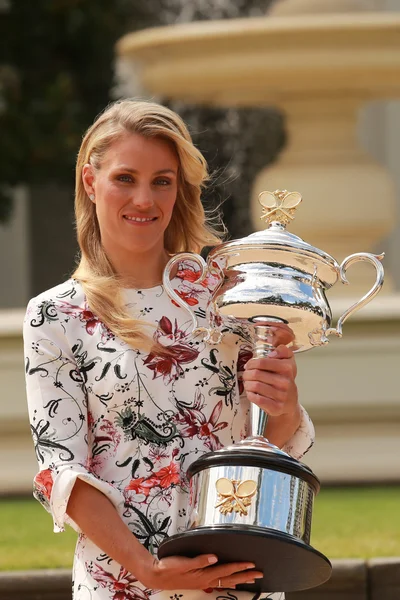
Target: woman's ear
[(89, 181)]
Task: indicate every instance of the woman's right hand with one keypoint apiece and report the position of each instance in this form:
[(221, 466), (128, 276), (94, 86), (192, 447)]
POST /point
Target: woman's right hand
[(199, 573)]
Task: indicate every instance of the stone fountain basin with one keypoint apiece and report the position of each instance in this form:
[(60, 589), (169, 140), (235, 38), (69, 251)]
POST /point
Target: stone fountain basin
[(265, 60)]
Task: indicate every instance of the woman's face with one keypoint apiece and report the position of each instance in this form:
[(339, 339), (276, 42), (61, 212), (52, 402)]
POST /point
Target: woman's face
[(134, 191)]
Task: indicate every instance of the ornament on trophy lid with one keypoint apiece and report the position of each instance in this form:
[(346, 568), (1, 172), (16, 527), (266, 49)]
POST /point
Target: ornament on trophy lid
[(279, 206)]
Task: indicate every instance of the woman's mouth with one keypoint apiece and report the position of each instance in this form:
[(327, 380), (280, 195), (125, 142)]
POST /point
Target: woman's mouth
[(141, 220)]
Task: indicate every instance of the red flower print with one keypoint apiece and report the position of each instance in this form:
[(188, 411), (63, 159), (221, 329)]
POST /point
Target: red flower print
[(188, 297), (90, 320), (195, 422), (43, 483), (168, 335), (90, 419), (168, 475), (104, 443), (157, 453), (85, 315), (122, 587), (190, 272), (143, 485), (245, 354), (169, 365), (208, 428), (187, 272), (164, 478)]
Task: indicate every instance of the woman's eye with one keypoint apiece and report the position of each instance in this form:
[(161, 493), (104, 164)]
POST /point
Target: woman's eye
[(162, 182), (125, 178)]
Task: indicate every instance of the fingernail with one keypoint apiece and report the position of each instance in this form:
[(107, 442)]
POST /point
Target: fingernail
[(273, 354), (251, 581), (212, 559), (258, 576), (250, 566)]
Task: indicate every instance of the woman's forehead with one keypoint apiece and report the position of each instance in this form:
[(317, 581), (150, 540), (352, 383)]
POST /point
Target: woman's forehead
[(136, 151)]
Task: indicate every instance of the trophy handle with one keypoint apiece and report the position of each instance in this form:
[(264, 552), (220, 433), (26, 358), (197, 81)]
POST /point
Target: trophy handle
[(212, 335), (196, 258), (364, 257)]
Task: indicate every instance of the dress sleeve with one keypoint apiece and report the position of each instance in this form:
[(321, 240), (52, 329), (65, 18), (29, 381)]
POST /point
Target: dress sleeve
[(303, 439), (57, 404)]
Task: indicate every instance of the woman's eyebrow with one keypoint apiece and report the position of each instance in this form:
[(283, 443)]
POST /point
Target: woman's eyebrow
[(135, 171)]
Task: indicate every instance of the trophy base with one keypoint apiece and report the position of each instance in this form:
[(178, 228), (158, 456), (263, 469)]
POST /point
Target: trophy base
[(289, 565)]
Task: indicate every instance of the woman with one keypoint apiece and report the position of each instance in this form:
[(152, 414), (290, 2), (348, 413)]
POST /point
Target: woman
[(122, 397)]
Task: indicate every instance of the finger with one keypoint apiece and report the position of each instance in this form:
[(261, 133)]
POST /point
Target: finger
[(276, 380), (231, 581), (269, 391), (278, 334), (279, 352), (282, 351), (202, 561), (286, 367), (283, 335), (182, 564), (272, 408), (220, 571)]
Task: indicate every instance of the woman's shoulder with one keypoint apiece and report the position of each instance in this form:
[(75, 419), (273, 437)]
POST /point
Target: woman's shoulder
[(69, 291), (55, 305)]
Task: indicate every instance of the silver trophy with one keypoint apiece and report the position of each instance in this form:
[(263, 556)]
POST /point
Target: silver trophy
[(251, 501)]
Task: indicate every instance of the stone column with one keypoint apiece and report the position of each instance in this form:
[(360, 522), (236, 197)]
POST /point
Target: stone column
[(349, 199)]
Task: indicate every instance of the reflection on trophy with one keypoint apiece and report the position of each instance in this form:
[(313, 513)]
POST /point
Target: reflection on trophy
[(251, 501)]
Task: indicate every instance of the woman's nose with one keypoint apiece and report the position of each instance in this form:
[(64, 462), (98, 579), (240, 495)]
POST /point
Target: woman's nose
[(142, 197)]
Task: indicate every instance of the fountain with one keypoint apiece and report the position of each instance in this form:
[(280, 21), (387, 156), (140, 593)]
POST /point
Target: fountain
[(320, 62)]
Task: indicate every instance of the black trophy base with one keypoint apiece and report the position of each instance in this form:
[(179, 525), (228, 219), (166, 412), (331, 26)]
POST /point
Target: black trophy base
[(288, 564)]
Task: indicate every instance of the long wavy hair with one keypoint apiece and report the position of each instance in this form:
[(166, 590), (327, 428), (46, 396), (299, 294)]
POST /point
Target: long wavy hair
[(188, 230)]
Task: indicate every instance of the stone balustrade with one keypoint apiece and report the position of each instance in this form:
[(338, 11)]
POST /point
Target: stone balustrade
[(377, 579)]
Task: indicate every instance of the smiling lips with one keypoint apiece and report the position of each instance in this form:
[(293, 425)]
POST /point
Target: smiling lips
[(141, 220)]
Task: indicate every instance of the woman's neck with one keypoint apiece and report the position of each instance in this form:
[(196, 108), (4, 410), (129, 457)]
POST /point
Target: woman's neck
[(141, 270)]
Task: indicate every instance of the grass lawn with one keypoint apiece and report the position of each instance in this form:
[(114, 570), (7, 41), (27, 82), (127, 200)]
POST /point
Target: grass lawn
[(348, 523)]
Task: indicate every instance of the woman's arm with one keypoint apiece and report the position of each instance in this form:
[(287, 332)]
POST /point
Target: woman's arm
[(282, 428), (99, 520), (57, 403)]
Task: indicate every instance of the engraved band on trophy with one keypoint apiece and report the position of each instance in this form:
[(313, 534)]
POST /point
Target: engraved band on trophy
[(251, 501)]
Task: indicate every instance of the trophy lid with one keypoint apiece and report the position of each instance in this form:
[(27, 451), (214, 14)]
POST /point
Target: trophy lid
[(283, 248)]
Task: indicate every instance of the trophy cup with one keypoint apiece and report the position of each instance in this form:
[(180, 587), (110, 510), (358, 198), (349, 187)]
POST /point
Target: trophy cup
[(251, 501)]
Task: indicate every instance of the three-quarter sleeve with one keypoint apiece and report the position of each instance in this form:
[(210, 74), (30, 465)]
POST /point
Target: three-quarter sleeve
[(302, 439), (58, 411)]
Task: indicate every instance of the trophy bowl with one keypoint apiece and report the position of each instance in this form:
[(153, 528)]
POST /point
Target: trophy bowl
[(251, 501)]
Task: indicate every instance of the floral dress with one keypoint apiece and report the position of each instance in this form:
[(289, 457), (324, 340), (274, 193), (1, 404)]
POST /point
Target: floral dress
[(131, 422)]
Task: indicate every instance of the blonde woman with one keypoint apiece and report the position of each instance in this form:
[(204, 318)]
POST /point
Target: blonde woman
[(120, 392)]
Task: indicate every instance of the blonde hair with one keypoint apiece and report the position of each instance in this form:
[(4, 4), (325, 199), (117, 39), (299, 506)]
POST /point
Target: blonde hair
[(187, 231)]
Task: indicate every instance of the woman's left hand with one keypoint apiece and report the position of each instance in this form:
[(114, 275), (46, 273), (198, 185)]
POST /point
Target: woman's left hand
[(270, 383)]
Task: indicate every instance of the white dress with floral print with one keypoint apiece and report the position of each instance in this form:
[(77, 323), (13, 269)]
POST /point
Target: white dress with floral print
[(130, 422)]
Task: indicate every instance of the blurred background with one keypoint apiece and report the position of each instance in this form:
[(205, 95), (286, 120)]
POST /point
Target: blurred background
[(292, 94)]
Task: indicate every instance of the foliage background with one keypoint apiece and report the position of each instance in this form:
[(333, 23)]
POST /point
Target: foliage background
[(57, 73)]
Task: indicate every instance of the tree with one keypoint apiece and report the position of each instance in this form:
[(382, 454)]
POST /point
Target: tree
[(56, 74)]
